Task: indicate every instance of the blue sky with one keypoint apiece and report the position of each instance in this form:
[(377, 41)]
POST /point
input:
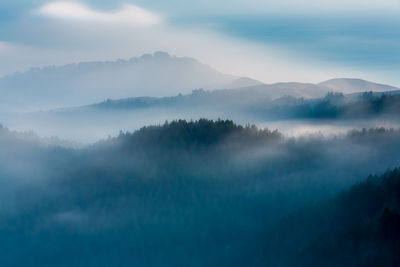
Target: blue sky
[(369, 41), (269, 40)]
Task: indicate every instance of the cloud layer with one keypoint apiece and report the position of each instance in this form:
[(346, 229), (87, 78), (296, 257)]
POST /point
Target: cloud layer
[(75, 11)]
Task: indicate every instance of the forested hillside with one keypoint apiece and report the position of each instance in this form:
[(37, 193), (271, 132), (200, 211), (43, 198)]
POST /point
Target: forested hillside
[(363, 229), (359, 227), (194, 193), (252, 103)]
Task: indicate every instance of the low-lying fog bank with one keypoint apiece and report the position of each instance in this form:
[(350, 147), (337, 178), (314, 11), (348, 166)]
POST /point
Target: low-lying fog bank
[(87, 129), (335, 113)]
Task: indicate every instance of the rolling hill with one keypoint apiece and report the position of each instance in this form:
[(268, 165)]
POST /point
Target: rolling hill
[(159, 74), (349, 85)]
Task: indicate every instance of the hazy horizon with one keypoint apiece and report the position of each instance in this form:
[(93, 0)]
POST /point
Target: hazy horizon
[(265, 40)]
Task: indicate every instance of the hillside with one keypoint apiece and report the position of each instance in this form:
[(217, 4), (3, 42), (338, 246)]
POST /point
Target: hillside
[(243, 82), (215, 99), (347, 85), (362, 227), (90, 123), (190, 191), (247, 96), (159, 74), (260, 100), (156, 75)]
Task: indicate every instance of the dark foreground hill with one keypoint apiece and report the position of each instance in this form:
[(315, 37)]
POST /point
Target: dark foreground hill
[(363, 227), (198, 193), (359, 227)]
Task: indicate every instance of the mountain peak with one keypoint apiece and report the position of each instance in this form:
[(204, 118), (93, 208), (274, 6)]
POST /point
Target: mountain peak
[(157, 74), (244, 82), (354, 85), (161, 55), (155, 55)]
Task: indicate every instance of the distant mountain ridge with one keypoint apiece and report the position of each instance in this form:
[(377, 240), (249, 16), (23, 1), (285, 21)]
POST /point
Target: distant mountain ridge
[(233, 98), (158, 74), (259, 104), (151, 75), (243, 82), (351, 85), (237, 97)]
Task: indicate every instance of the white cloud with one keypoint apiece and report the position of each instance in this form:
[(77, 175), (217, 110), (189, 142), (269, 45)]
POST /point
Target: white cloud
[(62, 43), (75, 11), (242, 58)]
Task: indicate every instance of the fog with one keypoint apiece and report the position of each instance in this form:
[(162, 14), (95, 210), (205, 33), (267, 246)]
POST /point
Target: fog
[(334, 113), (259, 175), (184, 193)]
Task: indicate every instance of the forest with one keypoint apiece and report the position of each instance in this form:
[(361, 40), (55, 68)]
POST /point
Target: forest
[(195, 193), (333, 105)]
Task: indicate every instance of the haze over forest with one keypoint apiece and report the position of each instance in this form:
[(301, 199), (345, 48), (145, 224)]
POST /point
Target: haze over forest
[(90, 101), (199, 134)]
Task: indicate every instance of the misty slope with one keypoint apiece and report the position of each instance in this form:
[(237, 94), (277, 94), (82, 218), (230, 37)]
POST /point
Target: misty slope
[(347, 85), (243, 82), (216, 99), (78, 84), (369, 232), (248, 92), (335, 106), (305, 90), (90, 123), (260, 100), (358, 227), (203, 193), (154, 75)]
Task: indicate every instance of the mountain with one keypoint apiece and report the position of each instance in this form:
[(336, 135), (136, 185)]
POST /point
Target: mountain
[(88, 123), (243, 82), (152, 75), (261, 103), (243, 96), (159, 74), (347, 85), (295, 89), (234, 99), (272, 103)]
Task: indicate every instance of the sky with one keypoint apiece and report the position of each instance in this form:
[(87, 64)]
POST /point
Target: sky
[(272, 41)]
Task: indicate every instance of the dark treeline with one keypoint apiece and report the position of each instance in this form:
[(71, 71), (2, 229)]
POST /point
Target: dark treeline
[(197, 193), (332, 106), (184, 135), (91, 123)]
